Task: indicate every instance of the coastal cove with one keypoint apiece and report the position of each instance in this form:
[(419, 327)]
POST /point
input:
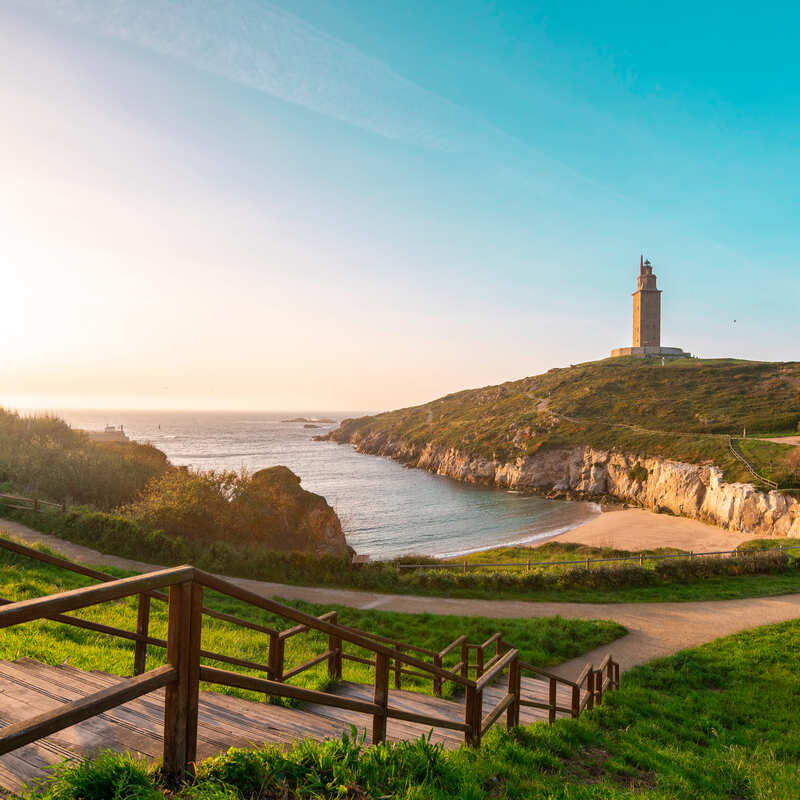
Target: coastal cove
[(386, 510)]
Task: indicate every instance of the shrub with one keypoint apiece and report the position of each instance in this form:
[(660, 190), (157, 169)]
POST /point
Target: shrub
[(745, 563), (638, 473)]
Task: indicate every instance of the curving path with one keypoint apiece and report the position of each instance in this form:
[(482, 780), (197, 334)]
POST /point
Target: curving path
[(655, 630)]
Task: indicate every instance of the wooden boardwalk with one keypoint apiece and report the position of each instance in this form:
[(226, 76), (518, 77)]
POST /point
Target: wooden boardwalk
[(28, 687)]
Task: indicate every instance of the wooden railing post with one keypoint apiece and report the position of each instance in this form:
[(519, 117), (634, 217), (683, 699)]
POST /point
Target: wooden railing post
[(398, 671), (514, 688), (478, 661), (472, 716), (590, 687), (598, 686), (437, 681), (182, 697), (576, 702), (464, 660), (142, 631), (193, 688), (616, 675), (335, 658), (551, 712), (276, 653), (381, 697)]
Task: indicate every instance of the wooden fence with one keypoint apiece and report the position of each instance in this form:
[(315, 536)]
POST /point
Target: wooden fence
[(751, 468), (640, 558), (30, 503), (184, 669)]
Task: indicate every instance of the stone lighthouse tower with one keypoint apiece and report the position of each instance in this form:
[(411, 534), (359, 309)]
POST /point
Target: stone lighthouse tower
[(647, 320), (646, 308)]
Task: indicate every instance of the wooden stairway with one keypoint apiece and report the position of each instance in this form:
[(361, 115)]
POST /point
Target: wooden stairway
[(28, 687), (48, 713)]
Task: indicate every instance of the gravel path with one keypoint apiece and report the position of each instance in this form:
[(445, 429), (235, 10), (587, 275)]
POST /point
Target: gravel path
[(654, 629)]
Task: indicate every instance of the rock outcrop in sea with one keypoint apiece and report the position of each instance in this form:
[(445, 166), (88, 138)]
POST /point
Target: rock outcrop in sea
[(582, 472)]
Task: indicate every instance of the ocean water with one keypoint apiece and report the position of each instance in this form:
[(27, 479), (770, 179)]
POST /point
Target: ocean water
[(386, 509)]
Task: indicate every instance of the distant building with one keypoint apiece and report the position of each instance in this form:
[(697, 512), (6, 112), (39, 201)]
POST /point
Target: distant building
[(110, 434), (647, 320)]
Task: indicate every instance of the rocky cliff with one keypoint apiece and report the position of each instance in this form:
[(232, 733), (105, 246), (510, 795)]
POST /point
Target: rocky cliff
[(583, 472)]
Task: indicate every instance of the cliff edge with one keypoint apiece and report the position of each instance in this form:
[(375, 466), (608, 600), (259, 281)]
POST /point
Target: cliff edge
[(640, 433)]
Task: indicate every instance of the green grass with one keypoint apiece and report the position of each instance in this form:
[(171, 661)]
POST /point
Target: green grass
[(776, 462), (684, 411), (718, 722), (540, 641)]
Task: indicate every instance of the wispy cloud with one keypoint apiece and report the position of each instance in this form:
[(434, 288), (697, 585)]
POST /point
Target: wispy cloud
[(259, 45)]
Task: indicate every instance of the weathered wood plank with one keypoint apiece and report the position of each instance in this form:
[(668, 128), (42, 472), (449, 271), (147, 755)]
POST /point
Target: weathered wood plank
[(26, 731)]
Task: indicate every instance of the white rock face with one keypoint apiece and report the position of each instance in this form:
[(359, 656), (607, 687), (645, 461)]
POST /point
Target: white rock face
[(687, 490)]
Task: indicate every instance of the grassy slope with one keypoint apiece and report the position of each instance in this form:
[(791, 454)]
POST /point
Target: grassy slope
[(541, 641), (718, 722), (683, 411)]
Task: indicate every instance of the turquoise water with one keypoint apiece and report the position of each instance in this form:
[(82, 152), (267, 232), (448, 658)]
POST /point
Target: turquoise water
[(386, 509)]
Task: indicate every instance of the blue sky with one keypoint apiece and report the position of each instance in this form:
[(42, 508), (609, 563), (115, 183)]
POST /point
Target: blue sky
[(349, 204)]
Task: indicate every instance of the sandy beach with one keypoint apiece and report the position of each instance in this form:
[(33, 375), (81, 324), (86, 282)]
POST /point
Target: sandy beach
[(636, 529)]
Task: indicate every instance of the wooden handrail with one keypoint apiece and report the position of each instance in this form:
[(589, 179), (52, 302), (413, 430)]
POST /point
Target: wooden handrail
[(312, 662), (38, 607), (497, 668), (544, 673), (586, 671), (424, 719), (237, 680), (495, 713), (237, 592), (452, 646), (289, 632)]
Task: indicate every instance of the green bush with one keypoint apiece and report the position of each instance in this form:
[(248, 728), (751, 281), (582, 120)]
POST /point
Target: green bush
[(744, 563)]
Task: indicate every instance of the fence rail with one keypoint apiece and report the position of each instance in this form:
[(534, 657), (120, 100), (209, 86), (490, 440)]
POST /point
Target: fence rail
[(640, 558), (30, 503), (740, 456), (183, 671)]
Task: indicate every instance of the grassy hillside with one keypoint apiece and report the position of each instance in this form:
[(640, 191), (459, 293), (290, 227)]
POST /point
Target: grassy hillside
[(716, 722), (684, 410)]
